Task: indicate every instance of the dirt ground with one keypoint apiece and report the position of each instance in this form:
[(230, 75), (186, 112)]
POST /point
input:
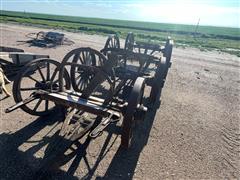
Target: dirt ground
[(194, 134)]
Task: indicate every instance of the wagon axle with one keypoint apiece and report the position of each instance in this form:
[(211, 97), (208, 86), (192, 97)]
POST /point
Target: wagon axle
[(46, 85)]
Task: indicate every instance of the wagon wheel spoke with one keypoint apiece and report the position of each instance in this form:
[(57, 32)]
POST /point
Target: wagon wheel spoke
[(29, 89), (41, 74), (89, 79), (114, 43), (78, 77), (54, 75), (107, 45), (48, 71), (85, 83), (46, 105), (37, 105), (80, 58), (79, 82), (30, 77), (84, 57), (88, 58), (98, 63), (129, 42), (117, 43), (81, 87), (78, 70), (76, 57), (111, 43), (88, 55)]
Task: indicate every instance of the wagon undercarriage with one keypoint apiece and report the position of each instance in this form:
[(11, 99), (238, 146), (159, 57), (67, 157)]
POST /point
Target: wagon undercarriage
[(93, 89)]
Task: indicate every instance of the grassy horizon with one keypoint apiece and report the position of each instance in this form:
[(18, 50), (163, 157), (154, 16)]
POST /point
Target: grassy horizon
[(3, 12), (224, 39)]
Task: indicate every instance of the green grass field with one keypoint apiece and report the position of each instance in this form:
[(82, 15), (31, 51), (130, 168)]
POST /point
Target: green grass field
[(206, 38)]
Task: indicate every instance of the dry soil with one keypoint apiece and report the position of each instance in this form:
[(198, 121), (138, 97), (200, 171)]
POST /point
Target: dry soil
[(193, 134)]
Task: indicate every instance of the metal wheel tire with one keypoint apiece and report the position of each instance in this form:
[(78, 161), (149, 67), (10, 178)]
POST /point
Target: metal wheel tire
[(128, 119), (40, 81)]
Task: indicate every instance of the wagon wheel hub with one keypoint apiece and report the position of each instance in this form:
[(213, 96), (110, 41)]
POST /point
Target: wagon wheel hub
[(85, 74), (46, 85)]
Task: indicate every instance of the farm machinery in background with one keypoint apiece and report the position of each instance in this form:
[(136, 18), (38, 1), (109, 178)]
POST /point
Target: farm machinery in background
[(93, 89), (13, 59), (47, 39)]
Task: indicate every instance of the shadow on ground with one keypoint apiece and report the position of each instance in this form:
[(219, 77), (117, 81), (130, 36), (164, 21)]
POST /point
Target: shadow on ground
[(16, 164)]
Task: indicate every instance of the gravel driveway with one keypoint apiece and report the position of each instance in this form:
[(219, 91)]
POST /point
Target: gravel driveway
[(194, 134)]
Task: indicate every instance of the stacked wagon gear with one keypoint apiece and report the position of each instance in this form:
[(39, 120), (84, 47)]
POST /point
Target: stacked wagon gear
[(92, 88), (146, 55), (12, 60)]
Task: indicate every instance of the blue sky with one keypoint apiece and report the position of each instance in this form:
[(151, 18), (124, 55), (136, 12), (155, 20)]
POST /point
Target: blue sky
[(210, 12)]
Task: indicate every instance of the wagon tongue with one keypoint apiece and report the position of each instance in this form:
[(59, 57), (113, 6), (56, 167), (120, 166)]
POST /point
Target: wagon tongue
[(21, 103)]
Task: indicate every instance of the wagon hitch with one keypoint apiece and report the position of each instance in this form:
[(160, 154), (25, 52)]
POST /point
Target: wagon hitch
[(97, 131), (31, 98)]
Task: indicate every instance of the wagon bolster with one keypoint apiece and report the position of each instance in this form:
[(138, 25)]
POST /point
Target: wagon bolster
[(68, 100)]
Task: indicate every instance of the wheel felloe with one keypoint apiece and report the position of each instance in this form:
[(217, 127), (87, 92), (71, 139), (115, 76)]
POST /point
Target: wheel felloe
[(129, 42), (134, 100), (158, 81)]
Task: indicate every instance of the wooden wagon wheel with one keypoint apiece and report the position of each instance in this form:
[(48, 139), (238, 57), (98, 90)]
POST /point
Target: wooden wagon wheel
[(80, 78), (79, 121), (112, 42), (129, 42), (167, 53), (41, 74), (134, 100), (158, 80), (168, 50)]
